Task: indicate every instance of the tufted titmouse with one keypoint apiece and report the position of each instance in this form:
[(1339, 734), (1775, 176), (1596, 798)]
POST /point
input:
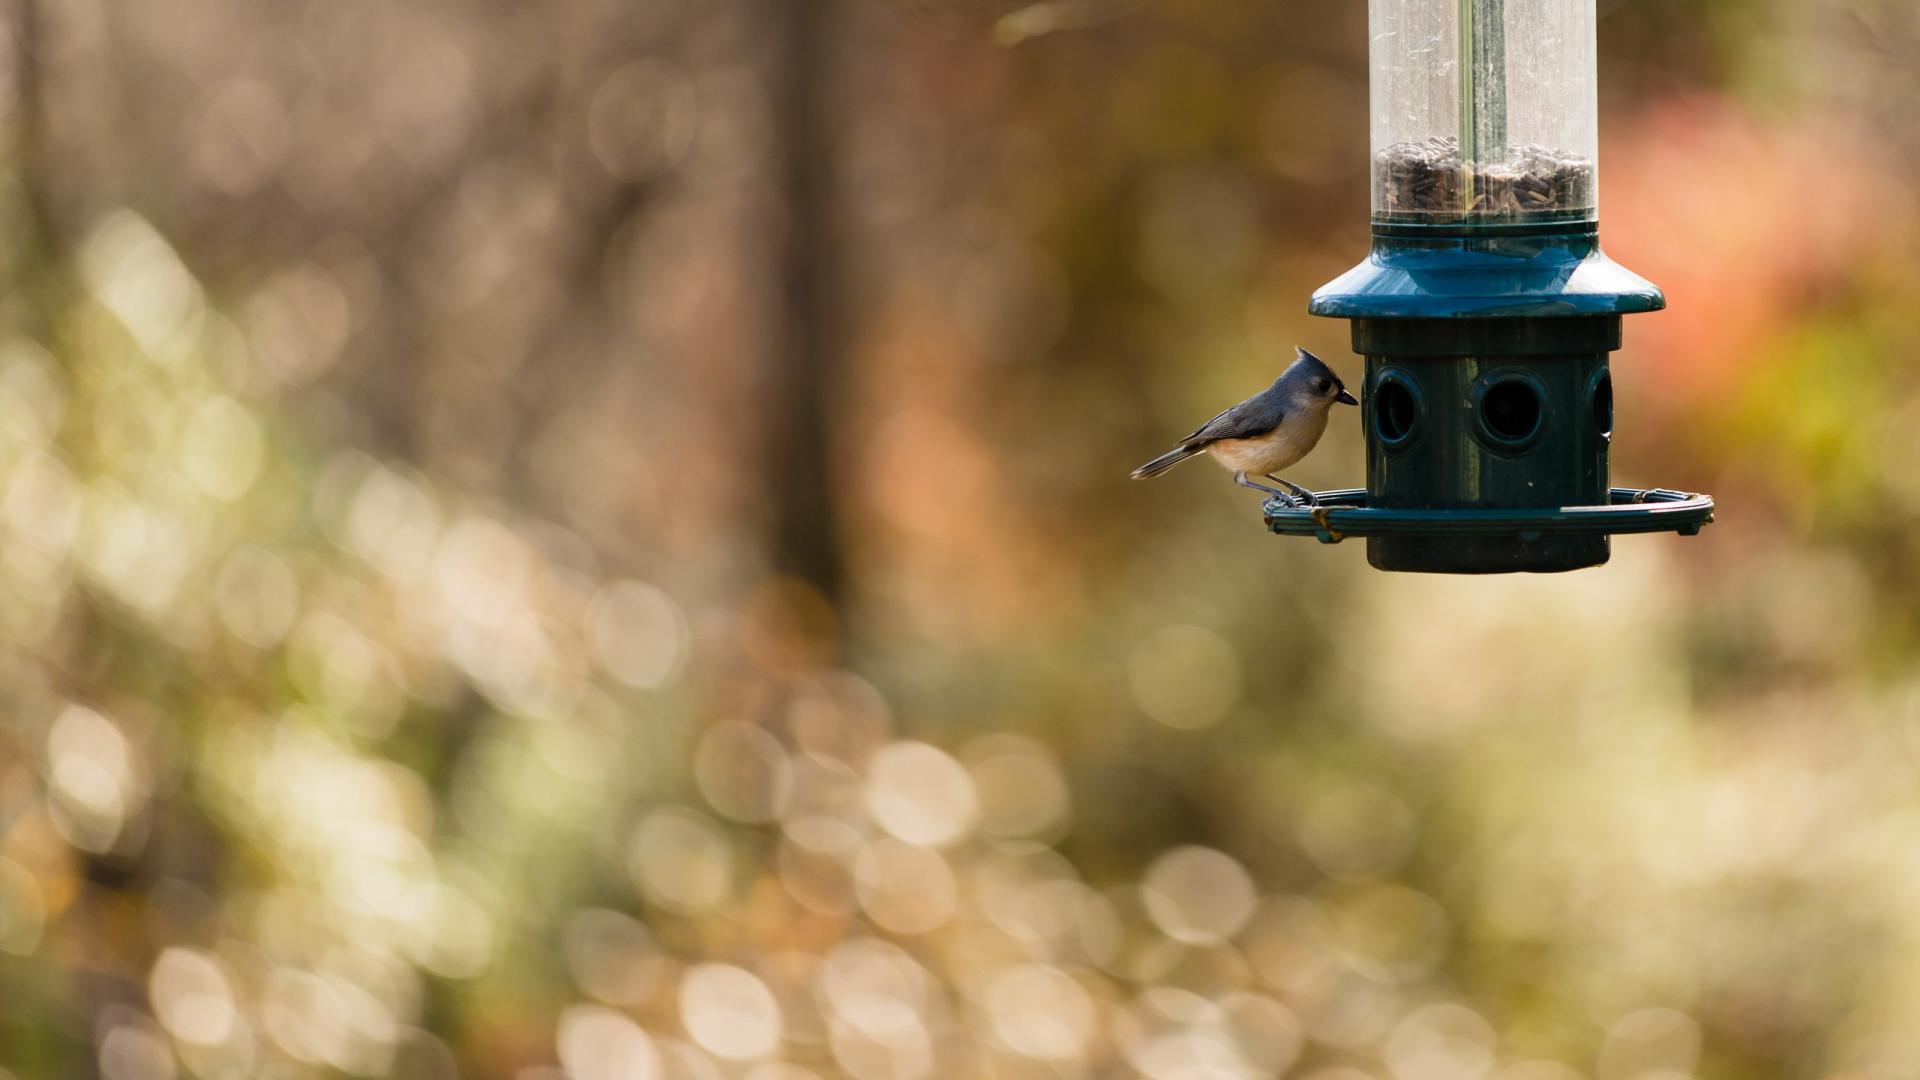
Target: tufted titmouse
[(1269, 431)]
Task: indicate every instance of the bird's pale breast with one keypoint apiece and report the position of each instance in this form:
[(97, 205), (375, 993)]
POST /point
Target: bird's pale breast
[(1277, 449)]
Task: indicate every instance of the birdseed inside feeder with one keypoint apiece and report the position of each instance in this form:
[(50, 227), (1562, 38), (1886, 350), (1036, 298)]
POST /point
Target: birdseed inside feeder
[(1486, 311)]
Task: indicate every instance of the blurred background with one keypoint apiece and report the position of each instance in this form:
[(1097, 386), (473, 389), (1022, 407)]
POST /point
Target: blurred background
[(594, 541)]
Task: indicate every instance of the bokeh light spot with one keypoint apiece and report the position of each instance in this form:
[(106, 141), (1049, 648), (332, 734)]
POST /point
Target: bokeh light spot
[(1290, 943), (613, 957), (681, 860), (1392, 932), (95, 776), (135, 1051), (743, 772), (1538, 1070), (642, 119), (1021, 789), (456, 941), (875, 988), (1441, 1042), (597, 1043), (920, 794), (1357, 829), (903, 887), (192, 996), (779, 1070), (1041, 1012), (298, 322), (637, 633), (1264, 1031), (1198, 895), (223, 448), (1185, 677), (135, 273), (1648, 1041), (393, 522), (730, 1012)]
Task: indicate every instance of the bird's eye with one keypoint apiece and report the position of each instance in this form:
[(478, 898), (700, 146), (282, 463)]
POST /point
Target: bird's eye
[(1321, 386)]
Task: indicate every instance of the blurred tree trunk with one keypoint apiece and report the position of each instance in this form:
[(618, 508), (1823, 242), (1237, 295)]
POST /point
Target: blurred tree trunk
[(45, 257), (805, 375)]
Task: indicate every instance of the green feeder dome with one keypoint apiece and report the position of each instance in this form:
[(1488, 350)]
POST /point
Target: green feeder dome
[(1486, 311)]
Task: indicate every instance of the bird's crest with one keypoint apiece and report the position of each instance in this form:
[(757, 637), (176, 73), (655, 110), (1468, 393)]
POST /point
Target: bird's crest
[(1313, 364)]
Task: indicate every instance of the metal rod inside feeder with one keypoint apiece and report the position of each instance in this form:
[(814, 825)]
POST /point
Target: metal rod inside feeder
[(1483, 91)]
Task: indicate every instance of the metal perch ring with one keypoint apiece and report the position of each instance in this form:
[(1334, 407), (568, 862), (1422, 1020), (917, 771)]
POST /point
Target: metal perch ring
[(1346, 513)]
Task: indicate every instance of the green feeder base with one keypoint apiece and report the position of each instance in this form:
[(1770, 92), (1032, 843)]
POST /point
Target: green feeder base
[(1490, 541), (1487, 402)]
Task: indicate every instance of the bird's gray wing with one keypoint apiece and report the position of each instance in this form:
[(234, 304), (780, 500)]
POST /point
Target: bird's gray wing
[(1255, 416)]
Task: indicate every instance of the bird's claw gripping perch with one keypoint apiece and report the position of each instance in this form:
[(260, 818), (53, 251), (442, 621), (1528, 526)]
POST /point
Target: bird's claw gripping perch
[(1302, 496)]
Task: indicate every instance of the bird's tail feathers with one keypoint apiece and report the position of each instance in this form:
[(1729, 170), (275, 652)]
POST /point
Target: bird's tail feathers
[(1166, 461)]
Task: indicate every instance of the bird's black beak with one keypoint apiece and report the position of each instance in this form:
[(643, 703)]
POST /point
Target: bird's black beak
[(1345, 398)]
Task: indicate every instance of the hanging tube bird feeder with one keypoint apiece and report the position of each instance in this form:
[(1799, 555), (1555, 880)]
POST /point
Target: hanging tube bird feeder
[(1486, 311)]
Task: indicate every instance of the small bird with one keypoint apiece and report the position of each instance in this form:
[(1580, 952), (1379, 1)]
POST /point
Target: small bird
[(1269, 431)]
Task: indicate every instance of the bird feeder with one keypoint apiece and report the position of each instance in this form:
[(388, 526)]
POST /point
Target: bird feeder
[(1486, 311)]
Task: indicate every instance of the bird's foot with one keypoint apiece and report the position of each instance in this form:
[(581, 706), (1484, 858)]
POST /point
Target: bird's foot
[(1241, 479), (1304, 495)]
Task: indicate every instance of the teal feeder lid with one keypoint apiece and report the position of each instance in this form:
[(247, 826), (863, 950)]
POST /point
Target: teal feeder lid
[(1486, 312), (1477, 271)]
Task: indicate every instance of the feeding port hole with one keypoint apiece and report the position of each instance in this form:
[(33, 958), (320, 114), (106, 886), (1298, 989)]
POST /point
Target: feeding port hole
[(1395, 411), (1603, 405), (1511, 412)]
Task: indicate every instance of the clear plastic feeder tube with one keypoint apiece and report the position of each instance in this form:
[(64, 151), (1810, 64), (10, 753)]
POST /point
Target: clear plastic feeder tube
[(1484, 111)]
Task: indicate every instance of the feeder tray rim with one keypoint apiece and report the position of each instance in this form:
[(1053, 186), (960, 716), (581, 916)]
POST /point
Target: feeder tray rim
[(1345, 513)]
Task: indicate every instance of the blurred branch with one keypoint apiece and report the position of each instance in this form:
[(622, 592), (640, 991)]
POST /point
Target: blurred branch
[(805, 377), (31, 153), (1054, 16), (28, 82)]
